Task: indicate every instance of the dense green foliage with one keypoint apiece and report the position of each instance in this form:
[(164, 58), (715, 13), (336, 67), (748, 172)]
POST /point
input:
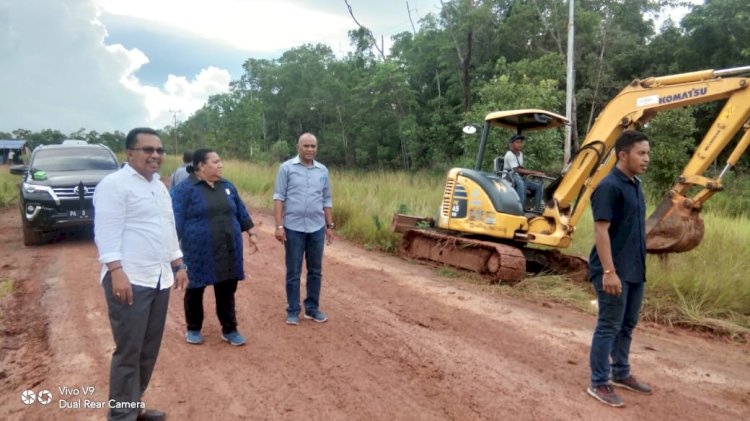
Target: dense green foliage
[(403, 110)]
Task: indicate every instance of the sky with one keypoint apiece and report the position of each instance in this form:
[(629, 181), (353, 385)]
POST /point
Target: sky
[(110, 65)]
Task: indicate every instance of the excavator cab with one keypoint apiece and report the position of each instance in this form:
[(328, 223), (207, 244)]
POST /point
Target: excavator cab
[(521, 122), (481, 222)]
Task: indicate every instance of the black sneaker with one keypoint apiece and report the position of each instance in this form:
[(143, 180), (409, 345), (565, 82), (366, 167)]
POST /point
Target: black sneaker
[(632, 384), (606, 395)]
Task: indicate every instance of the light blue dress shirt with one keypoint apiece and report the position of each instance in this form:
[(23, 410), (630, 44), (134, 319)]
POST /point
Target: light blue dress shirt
[(305, 191)]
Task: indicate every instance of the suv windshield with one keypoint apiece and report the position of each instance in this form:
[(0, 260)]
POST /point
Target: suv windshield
[(74, 159)]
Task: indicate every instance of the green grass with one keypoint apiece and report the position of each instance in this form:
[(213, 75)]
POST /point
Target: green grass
[(706, 288), (8, 187), (6, 287), (364, 203)]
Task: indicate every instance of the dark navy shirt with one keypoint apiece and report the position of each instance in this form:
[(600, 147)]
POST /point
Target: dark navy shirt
[(209, 222), (619, 200)]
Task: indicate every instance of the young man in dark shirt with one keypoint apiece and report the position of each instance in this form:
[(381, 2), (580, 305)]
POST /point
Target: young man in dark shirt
[(617, 268)]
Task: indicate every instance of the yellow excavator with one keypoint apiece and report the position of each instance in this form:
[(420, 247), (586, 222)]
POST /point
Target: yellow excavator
[(482, 226)]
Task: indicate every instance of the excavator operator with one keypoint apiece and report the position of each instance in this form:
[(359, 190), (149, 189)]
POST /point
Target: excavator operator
[(513, 163)]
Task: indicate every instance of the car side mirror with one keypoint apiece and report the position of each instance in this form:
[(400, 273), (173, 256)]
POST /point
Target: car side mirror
[(19, 169)]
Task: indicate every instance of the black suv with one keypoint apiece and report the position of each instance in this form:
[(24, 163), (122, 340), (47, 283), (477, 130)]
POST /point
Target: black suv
[(58, 186)]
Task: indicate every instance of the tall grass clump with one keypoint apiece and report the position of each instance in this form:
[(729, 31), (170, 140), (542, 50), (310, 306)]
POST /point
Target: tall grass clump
[(364, 203), (734, 200), (257, 180), (708, 286), (8, 188)]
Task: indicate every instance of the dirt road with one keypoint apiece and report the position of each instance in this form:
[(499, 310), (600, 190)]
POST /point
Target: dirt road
[(402, 343)]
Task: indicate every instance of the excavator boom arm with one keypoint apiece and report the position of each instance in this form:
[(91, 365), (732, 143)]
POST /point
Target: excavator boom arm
[(638, 103)]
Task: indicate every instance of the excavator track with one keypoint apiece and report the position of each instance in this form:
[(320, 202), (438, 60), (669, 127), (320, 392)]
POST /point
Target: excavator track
[(494, 261)]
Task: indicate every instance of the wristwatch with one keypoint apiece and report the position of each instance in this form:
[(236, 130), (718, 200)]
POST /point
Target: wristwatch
[(608, 271), (279, 227), (331, 226), (179, 267)]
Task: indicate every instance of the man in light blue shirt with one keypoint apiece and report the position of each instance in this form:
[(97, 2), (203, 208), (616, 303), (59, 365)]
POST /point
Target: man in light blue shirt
[(303, 210)]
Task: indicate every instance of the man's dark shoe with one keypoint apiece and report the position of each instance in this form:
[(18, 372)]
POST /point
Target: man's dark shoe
[(152, 415), (632, 384), (606, 395)]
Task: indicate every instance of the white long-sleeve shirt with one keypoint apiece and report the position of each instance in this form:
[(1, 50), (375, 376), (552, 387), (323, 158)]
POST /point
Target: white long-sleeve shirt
[(134, 223)]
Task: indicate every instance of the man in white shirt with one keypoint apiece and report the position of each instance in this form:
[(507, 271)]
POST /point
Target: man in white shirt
[(513, 163), (141, 259)]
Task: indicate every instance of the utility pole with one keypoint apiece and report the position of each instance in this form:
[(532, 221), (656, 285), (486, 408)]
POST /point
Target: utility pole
[(175, 135), (570, 83)]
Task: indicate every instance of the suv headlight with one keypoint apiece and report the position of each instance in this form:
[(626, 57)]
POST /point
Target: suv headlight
[(35, 190)]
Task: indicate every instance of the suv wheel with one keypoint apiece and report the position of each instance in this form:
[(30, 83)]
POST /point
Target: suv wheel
[(31, 237)]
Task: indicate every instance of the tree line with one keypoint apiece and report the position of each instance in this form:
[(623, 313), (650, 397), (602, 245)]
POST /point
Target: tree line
[(404, 108)]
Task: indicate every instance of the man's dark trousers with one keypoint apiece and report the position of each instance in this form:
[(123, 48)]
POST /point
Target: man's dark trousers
[(137, 330)]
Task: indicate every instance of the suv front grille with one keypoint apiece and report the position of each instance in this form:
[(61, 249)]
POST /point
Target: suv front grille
[(68, 193)]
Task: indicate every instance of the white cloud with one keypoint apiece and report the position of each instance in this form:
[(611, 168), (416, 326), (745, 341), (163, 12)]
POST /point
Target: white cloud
[(257, 25), (262, 26), (56, 71), (180, 96)]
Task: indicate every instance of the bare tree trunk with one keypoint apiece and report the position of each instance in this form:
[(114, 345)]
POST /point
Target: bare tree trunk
[(574, 140), (411, 21), (437, 79), (263, 126), (414, 31), (467, 74), (373, 41), (344, 141), (557, 37), (598, 82), (464, 60)]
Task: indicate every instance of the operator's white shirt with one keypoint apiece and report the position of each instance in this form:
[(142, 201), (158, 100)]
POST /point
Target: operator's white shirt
[(134, 223), (512, 161)]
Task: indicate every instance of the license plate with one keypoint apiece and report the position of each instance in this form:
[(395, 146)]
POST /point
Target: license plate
[(77, 214)]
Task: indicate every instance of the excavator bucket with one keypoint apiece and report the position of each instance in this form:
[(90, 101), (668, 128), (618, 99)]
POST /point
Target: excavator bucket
[(673, 228)]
